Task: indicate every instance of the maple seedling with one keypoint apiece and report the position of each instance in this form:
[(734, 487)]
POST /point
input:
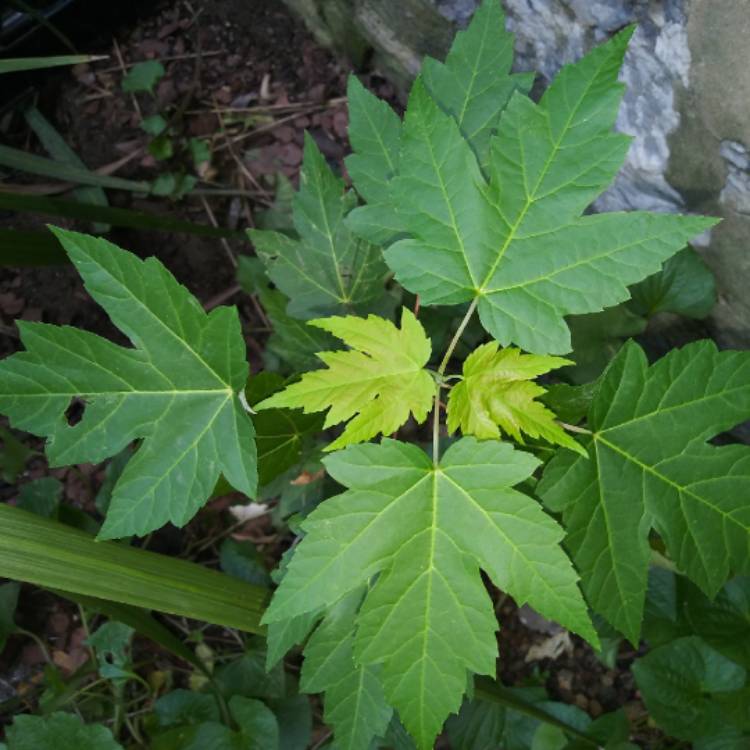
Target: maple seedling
[(476, 202)]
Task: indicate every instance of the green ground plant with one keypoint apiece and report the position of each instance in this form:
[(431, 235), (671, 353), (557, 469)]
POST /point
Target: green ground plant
[(427, 311)]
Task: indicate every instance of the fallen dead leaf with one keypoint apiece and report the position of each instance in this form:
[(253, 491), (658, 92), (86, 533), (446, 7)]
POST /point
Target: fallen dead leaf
[(551, 648)]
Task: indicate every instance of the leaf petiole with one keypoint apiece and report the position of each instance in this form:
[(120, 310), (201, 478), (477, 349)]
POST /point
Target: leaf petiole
[(574, 428), (439, 378)]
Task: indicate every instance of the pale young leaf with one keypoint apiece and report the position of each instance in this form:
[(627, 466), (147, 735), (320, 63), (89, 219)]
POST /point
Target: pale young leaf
[(497, 393), (375, 385)]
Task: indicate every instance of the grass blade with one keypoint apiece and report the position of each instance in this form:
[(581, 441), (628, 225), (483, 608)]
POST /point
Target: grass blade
[(47, 553), (119, 217), (60, 151), (42, 18), (17, 64), (20, 160)]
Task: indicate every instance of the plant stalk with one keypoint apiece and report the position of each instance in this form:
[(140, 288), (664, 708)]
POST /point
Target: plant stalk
[(440, 372)]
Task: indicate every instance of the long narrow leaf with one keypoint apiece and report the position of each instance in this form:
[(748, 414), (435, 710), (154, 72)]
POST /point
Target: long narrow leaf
[(59, 150), (41, 17), (16, 64), (47, 553), (15, 159), (119, 217), (20, 247)]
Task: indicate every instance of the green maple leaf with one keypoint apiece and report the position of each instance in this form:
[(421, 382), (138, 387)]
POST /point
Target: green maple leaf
[(375, 135), (597, 337), (179, 390), (58, 731), (292, 341), (683, 684), (496, 393), (327, 269), (517, 244), (685, 286), (354, 702), (381, 380), (143, 76), (427, 530), (473, 86), (280, 434), (651, 467)]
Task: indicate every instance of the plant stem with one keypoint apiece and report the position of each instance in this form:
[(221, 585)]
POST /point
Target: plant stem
[(441, 371), (574, 428), (87, 631), (39, 642), (436, 425), (118, 696), (459, 332)]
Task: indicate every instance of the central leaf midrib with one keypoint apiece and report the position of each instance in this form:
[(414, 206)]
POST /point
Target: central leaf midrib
[(635, 626), (376, 516), (332, 247), (658, 411), (530, 199), (474, 74), (162, 324), (508, 540), (585, 262), (193, 392), (167, 471), (301, 270), (358, 696), (428, 601), (678, 487), (454, 224), (381, 143), (365, 379)]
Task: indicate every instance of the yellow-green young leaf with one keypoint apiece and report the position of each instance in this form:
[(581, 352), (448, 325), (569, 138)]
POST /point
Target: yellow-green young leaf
[(178, 390), (427, 530), (381, 379), (497, 393)]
